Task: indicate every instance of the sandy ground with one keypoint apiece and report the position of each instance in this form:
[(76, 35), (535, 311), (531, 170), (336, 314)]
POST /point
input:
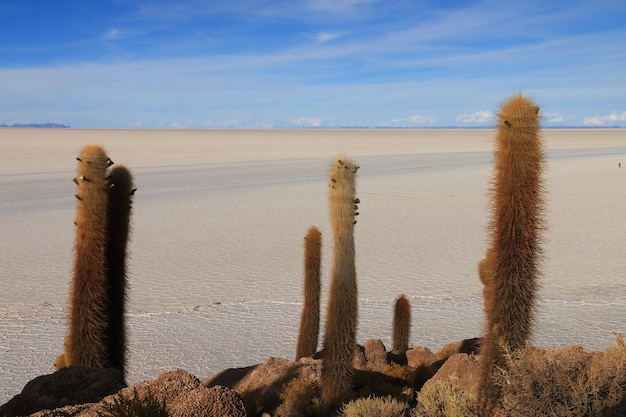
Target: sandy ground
[(215, 264)]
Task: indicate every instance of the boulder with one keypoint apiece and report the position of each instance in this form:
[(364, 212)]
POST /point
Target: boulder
[(420, 357), (262, 386), (462, 370), (375, 355), (217, 401), (469, 346), (183, 394), (67, 386)]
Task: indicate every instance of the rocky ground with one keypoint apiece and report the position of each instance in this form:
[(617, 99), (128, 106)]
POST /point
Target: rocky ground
[(253, 390)]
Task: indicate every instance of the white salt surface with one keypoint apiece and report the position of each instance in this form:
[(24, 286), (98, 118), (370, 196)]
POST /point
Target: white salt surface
[(215, 263)]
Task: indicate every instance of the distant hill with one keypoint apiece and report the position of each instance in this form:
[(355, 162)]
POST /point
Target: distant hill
[(31, 125)]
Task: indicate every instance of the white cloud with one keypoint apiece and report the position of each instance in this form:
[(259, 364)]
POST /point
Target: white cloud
[(414, 120), (339, 6), (423, 120), (112, 33), (480, 116), (323, 37), (604, 120), (306, 121), (553, 117), (236, 122)]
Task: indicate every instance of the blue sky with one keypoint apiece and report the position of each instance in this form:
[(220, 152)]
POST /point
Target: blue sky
[(309, 63)]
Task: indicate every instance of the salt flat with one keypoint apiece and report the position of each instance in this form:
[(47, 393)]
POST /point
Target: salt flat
[(215, 265)]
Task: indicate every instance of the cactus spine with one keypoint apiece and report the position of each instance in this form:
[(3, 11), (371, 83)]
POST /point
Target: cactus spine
[(401, 325), (515, 228), (85, 343), (341, 318), (310, 319), (120, 187)]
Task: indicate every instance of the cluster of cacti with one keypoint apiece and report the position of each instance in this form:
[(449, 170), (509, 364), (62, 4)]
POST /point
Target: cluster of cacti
[(310, 318), (509, 272), (96, 334), (342, 313), (512, 265)]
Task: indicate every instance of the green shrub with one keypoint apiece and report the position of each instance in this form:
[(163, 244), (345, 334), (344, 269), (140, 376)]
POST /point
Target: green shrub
[(375, 407), (149, 406)]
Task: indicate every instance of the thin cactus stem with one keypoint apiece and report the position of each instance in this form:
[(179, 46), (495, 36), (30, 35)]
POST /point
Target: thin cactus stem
[(310, 319), (342, 316)]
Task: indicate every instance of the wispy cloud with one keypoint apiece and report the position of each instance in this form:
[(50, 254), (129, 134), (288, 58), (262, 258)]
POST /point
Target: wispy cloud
[(553, 117), (335, 62), (112, 33), (609, 119), (323, 37), (422, 119), (339, 6), (307, 121), (480, 116)]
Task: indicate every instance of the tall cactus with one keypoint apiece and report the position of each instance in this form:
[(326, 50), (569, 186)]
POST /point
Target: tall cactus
[(515, 228), (341, 318), (120, 188), (86, 340), (401, 324), (97, 335), (310, 318)]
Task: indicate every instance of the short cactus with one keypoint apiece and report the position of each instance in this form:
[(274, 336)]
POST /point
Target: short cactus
[(342, 316), (310, 318), (401, 324)]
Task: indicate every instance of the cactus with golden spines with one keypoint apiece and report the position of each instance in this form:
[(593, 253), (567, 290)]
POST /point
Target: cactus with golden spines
[(96, 335), (342, 313), (86, 340), (517, 197), (401, 324), (310, 319)]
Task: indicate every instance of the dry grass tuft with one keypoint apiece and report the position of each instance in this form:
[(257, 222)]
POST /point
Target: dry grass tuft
[(375, 407), (300, 398), (570, 381), (444, 399)]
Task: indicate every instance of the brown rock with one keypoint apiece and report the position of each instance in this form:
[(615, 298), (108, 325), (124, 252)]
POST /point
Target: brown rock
[(419, 357), (358, 360), (375, 355), (469, 346), (182, 393), (68, 386), (167, 387), (217, 401), (228, 377), (460, 369), (261, 386)]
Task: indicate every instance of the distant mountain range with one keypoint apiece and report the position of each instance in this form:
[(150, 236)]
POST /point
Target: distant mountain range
[(31, 125)]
